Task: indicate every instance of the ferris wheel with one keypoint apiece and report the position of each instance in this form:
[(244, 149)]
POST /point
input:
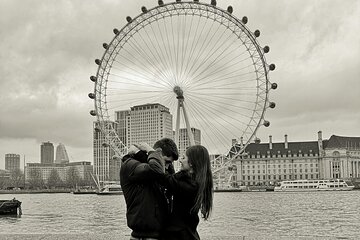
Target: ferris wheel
[(198, 60)]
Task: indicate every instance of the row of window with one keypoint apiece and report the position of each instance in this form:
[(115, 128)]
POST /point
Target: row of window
[(281, 177), (282, 171), (280, 166)]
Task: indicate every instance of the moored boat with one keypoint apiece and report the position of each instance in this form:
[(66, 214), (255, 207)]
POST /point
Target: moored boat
[(10, 207), (313, 185), (110, 189)]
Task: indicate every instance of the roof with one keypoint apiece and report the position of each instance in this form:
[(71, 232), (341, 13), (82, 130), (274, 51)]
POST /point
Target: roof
[(293, 147), (343, 142)]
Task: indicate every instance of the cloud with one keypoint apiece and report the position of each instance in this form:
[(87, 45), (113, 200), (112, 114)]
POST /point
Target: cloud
[(48, 50)]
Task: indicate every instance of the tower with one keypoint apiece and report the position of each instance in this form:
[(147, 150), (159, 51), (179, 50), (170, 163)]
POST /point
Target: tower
[(12, 161), (61, 154), (47, 152)]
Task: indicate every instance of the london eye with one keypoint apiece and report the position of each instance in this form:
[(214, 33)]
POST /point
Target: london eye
[(190, 56)]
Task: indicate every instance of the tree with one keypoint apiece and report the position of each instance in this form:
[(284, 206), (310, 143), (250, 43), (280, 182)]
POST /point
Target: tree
[(35, 178), (72, 177), (17, 178), (54, 179)]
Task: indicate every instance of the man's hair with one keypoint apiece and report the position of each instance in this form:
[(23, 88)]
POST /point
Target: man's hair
[(168, 147)]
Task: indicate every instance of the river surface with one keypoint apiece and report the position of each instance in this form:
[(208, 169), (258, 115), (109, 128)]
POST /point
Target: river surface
[(242, 215)]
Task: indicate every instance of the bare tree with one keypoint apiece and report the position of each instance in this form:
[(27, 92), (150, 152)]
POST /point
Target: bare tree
[(54, 179), (35, 178), (72, 177), (16, 178)]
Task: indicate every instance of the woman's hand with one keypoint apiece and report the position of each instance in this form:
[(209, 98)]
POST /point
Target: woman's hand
[(144, 147)]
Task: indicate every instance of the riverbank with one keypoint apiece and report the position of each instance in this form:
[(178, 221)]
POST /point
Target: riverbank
[(27, 191)]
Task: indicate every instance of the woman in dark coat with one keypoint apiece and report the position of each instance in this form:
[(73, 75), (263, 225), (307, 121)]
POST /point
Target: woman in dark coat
[(192, 189)]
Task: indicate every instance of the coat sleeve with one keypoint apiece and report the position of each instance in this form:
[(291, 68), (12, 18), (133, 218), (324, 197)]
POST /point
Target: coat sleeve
[(144, 172), (180, 182)]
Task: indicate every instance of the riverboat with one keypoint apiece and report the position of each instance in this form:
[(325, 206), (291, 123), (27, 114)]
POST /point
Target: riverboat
[(110, 189), (313, 185), (10, 207)]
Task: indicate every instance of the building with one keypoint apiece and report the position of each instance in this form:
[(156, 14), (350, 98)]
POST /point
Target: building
[(149, 123), (12, 161), (122, 118), (106, 167), (61, 154), (268, 163), (47, 152), (83, 170), (340, 158), (184, 142)]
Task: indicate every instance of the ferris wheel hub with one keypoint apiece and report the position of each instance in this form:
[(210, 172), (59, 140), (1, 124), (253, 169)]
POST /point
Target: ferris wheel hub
[(179, 92)]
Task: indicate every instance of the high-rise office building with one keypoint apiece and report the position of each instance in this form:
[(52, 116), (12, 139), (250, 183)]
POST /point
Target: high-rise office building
[(184, 142), (47, 152), (106, 167), (12, 161), (122, 118), (149, 123), (61, 154)]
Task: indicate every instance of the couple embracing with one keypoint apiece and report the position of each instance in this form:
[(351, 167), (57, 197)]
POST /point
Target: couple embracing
[(162, 204)]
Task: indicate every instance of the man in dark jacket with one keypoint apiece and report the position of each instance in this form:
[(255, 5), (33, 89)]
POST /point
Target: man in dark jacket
[(146, 203)]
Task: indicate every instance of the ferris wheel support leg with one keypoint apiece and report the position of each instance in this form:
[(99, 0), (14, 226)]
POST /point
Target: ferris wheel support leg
[(188, 127), (177, 130)]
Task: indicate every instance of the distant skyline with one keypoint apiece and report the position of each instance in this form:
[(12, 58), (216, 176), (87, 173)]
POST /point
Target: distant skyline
[(48, 50)]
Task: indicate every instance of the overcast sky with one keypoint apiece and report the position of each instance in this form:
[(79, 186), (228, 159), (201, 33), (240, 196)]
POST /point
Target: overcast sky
[(47, 52)]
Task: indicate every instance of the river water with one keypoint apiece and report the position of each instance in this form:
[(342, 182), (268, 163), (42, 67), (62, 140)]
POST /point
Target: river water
[(242, 215)]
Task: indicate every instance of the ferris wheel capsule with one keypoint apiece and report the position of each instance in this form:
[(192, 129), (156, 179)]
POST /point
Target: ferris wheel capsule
[(213, 2), (116, 31), (272, 67), (98, 61), (144, 9), (91, 95), (161, 2), (93, 113), (257, 33), (266, 123), (274, 86), (244, 20), (230, 9), (272, 105), (93, 78), (178, 0), (105, 45), (266, 49), (128, 19), (196, 0)]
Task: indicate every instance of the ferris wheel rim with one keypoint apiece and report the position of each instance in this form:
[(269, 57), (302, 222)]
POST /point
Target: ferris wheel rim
[(108, 58)]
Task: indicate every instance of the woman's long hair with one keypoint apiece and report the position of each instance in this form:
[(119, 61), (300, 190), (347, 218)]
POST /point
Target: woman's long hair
[(199, 159)]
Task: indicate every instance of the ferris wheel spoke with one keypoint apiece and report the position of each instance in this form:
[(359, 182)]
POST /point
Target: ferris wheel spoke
[(133, 81), (139, 71), (202, 48), (218, 45), (217, 71), (207, 105), (238, 107), (197, 110), (157, 57), (141, 52), (165, 56), (223, 78), (205, 127)]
